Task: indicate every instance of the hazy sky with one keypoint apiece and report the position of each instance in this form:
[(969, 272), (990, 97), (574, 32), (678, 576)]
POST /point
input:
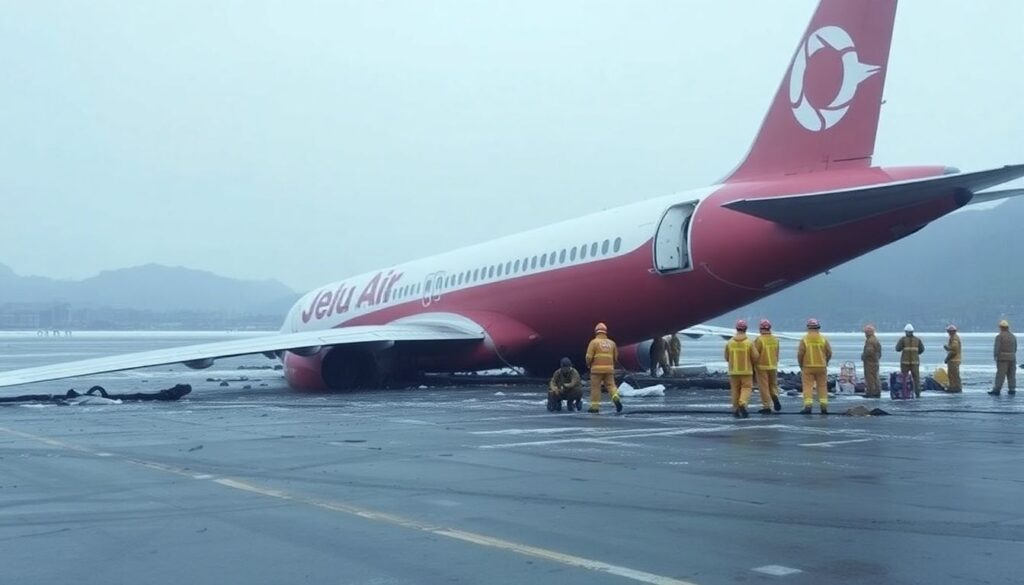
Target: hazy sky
[(306, 141)]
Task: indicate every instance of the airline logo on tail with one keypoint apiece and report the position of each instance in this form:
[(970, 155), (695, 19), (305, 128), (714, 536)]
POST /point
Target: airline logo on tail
[(818, 118)]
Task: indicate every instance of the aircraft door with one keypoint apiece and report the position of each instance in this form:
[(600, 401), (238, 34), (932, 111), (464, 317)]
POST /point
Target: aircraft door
[(672, 240)]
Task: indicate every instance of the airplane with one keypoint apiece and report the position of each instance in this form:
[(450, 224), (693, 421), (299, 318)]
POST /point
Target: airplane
[(805, 199)]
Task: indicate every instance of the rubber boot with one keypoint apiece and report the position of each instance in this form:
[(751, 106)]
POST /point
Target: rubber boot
[(743, 411), (806, 410), (593, 410), (579, 405), (1011, 392), (776, 403), (765, 411), (618, 403), (824, 409), (993, 393)]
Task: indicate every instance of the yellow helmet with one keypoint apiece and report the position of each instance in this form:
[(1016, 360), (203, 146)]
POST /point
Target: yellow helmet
[(600, 328)]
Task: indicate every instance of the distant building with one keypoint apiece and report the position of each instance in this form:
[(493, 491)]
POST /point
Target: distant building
[(34, 316)]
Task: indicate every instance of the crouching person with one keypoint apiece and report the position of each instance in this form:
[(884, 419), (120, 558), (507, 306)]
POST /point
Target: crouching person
[(565, 385)]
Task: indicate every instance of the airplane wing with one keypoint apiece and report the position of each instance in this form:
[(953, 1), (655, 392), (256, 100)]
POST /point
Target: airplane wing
[(203, 355), (698, 331), (987, 200), (818, 211)]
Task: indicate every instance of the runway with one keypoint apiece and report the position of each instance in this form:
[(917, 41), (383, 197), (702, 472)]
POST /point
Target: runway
[(482, 485)]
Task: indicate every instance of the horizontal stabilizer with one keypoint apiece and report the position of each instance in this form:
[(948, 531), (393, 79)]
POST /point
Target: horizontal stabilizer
[(252, 345), (818, 211), (989, 196)]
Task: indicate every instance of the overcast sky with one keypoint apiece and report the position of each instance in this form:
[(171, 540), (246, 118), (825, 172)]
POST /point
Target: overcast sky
[(306, 141)]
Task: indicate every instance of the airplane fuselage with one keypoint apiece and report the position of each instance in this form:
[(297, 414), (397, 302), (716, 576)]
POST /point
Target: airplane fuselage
[(537, 294)]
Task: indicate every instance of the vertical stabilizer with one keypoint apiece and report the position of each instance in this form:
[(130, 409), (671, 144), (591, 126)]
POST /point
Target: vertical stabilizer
[(825, 113)]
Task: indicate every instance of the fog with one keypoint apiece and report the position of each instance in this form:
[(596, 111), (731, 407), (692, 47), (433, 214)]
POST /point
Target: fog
[(305, 141)]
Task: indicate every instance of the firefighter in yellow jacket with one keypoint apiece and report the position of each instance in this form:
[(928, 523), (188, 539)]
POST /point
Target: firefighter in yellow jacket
[(954, 353), (741, 356), (602, 353), (767, 346), (813, 356)]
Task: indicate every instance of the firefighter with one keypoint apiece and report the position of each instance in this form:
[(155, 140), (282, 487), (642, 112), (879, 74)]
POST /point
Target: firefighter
[(602, 354), (565, 385), (910, 349), (954, 353), (767, 346), (813, 356), (675, 349), (741, 356), (871, 356), (1005, 353), (659, 356)]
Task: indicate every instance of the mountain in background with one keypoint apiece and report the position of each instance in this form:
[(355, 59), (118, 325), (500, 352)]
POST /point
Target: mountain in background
[(963, 269), (151, 288)]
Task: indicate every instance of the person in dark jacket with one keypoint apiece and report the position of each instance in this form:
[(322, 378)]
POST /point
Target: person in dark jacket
[(1005, 353), (565, 385), (910, 349)]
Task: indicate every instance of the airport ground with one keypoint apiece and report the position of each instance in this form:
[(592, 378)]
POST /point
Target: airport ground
[(482, 485)]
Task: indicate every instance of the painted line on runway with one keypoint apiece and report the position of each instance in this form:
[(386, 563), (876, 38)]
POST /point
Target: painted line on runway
[(620, 435), (777, 570), (382, 517), (833, 443)]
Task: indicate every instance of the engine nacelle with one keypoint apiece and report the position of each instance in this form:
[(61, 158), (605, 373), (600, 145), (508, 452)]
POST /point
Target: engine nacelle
[(199, 364), (636, 357), (307, 351)]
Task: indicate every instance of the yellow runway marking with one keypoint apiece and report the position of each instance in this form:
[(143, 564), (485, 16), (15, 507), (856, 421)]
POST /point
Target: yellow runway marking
[(382, 517)]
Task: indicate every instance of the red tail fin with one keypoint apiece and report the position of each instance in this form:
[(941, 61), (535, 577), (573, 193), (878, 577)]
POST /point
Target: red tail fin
[(825, 114)]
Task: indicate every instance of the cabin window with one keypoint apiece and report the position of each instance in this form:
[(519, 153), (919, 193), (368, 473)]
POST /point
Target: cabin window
[(499, 270), (490, 272), (533, 263), (604, 247), (508, 267), (593, 249), (572, 254), (476, 274), (618, 244), (583, 251), (561, 256), (543, 260), (515, 268)]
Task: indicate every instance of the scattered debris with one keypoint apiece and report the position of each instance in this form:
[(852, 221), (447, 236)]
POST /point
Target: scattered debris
[(99, 395), (625, 389), (863, 411)]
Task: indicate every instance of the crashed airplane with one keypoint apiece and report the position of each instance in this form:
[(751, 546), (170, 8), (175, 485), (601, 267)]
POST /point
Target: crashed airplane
[(807, 197)]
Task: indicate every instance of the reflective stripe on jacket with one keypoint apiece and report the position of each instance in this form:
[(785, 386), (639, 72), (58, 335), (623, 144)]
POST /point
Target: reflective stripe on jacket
[(814, 351), (741, 355), (767, 346), (602, 355)]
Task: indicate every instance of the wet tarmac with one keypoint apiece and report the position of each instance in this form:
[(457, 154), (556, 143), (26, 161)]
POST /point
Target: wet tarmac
[(482, 485)]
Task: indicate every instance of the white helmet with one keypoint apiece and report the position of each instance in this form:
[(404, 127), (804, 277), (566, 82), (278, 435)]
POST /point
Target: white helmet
[(909, 328)]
